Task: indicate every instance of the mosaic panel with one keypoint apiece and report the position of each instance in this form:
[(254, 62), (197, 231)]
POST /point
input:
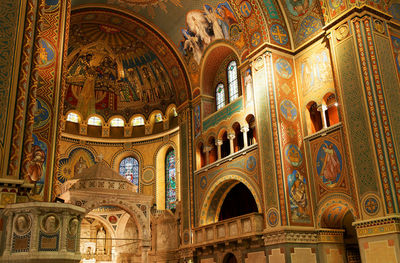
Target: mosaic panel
[(223, 114), (291, 148), (48, 242), (21, 243)]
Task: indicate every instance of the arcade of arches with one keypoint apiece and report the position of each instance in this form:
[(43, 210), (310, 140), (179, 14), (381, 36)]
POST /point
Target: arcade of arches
[(252, 131)]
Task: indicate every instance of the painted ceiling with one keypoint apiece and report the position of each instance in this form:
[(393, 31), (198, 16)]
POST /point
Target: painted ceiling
[(120, 66), (192, 26), (287, 24)]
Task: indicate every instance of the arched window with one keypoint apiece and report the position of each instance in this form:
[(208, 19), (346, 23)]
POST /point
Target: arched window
[(175, 113), (170, 180), (129, 168), (233, 81), (117, 122), (138, 121), (95, 121), (220, 96), (73, 117), (158, 117)]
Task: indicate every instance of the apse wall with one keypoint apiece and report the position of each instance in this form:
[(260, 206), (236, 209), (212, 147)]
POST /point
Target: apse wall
[(150, 153)]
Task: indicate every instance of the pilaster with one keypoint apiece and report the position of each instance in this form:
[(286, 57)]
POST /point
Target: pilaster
[(379, 238)]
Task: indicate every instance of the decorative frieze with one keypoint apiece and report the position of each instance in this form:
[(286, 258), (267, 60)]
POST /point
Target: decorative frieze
[(378, 226), (306, 235), (37, 229)]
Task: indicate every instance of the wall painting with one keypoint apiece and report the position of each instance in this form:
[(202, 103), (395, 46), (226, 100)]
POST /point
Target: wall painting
[(329, 165), (207, 25), (396, 50), (73, 165), (37, 167), (315, 74), (292, 149)]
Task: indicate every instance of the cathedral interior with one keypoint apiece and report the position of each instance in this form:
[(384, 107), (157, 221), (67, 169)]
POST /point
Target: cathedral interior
[(193, 131)]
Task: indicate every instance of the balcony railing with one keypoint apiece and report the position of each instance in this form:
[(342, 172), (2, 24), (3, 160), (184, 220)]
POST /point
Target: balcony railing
[(229, 230), (228, 158)]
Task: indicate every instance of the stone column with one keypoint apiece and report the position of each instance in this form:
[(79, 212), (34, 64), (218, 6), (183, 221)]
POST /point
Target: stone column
[(322, 109), (207, 150), (105, 131), (231, 137), (165, 123), (9, 216), (83, 128), (219, 143), (128, 130), (186, 171), (244, 130), (379, 239), (331, 245), (145, 254)]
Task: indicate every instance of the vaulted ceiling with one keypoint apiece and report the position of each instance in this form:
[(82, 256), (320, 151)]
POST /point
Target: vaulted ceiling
[(286, 23), (187, 29), (120, 65)]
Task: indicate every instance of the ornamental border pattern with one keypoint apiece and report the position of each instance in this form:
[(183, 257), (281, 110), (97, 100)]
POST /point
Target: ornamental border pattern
[(303, 236), (373, 118), (23, 86), (379, 226), (382, 108), (8, 31), (275, 134)]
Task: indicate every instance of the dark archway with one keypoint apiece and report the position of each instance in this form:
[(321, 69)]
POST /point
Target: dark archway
[(239, 201), (339, 216), (230, 258), (350, 239), (225, 147)]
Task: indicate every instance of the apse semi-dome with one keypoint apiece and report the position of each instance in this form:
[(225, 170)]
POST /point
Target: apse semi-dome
[(119, 65)]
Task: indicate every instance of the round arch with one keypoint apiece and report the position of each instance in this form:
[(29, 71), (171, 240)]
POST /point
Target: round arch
[(80, 118), (181, 73), (216, 193), (211, 60), (230, 257), (133, 210), (120, 155), (331, 213), (116, 117)]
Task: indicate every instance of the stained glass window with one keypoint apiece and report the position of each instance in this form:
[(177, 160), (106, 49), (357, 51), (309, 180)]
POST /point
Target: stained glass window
[(117, 122), (233, 81), (158, 117), (138, 121), (220, 94), (129, 167), (73, 117), (95, 121), (170, 181)]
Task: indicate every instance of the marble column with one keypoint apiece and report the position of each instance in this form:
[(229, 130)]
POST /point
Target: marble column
[(207, 150), (244, 130), (322, 109), (231, 137), (218, 143)]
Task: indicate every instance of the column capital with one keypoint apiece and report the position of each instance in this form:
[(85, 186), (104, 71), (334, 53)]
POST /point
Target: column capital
[(231, 136), (322, 107), (218, 142), (245, 128), (207, 149)]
